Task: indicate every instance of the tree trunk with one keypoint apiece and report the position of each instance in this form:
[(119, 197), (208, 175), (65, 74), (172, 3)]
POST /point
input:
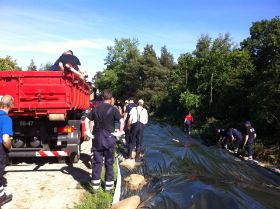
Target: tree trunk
[(186, 77), (211, 89)]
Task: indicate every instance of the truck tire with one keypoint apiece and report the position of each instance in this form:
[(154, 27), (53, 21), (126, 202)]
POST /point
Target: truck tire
[(75, 156)]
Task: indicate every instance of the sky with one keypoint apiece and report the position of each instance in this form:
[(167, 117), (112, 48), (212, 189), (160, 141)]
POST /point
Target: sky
[(43, 29)]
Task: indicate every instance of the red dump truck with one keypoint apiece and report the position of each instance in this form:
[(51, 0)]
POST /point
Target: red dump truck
[(47, 112)]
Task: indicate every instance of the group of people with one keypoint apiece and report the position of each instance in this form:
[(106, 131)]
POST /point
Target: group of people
[(131, 123), (239, 139)]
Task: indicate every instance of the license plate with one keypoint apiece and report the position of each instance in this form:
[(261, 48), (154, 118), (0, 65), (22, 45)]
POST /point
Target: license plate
[(26, 123)]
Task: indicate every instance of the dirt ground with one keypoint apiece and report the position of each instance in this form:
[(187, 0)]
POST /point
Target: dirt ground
[(45, 183)]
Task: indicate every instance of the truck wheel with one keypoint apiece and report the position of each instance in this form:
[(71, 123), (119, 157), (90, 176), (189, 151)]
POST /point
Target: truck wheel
[(75, 156), (61, 160)]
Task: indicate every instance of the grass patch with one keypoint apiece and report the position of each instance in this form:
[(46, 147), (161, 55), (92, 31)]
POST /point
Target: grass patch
[(100, 199)]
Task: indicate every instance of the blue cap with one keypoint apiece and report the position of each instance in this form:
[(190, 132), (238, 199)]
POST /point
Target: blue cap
[(247, 123)]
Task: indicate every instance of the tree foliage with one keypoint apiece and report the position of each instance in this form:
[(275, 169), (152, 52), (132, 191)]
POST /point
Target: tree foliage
[(264, 47), (8, 63), (45, 67), (217, 80), (32, 66)]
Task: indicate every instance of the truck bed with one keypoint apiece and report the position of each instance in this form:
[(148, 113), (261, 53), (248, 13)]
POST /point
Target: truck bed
[(41, 93)]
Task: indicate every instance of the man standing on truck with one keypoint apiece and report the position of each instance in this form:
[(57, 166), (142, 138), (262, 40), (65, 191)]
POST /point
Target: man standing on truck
[(6, 132), (67, 59), (104, 117)]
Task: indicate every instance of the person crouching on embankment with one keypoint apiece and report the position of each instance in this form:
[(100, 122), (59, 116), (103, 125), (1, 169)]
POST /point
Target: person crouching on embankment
[(6, 132), (234, 136), (138, 119), (103, 146)]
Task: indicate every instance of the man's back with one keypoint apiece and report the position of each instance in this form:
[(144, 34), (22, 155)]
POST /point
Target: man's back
[(129, 107), (189, 118), (104, 116), (139, 114), (70, 59)]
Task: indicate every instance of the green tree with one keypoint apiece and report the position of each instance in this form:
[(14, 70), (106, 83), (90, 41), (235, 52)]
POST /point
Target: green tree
[(203, 46), (121, 71), (45, 67), (166, 58), (32, 66), (154, 79), (124, 50), (189, 101), (107, 80), (8, 63), (263, 44)]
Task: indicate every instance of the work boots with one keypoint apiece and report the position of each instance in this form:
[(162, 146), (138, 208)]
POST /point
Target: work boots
[(5, 199), (138, 158)]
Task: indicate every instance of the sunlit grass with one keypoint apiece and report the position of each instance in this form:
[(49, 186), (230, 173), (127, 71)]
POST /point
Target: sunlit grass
[(100, 199)]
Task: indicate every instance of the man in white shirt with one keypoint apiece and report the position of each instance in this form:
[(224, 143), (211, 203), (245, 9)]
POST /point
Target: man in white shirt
[(137, 120)]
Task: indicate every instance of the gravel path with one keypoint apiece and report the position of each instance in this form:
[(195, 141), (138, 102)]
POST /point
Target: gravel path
[(45, 183)]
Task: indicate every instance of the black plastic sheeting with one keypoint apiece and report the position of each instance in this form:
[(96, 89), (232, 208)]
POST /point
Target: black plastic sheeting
[(183, 173)]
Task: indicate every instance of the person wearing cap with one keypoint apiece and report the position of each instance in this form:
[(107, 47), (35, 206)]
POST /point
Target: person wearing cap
[(6, 132), (127, 129), (124, 106), (138, 119), (67, 59), (249, 137), (104, 142)]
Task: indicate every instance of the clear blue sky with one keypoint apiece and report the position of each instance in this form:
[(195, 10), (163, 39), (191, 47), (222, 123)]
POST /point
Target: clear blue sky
[(42, 29)]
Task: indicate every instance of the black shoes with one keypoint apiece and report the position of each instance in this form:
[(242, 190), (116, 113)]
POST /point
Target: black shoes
[(5, 199), (138, 159)]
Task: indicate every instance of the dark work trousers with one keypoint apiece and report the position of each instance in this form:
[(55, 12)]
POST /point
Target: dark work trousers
[(137, 131), (249, 146), (238, 142), (3, 157), (127, 139), (225, 142), (188, 125), (103, 146)]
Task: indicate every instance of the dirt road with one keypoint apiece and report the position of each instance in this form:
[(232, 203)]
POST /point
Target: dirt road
[(45, 183)]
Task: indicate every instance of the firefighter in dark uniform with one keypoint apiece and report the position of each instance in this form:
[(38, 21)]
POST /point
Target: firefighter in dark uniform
[(127, 129), (6, 132), (235, 136), (249, 137), (103, 146)]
